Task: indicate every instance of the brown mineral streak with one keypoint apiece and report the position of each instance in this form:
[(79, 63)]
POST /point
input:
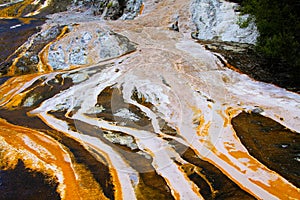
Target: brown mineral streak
[(43, 55), (10, 10), (276, 187), (13, 135), (118, 188), (175, 194), (280, 189), (251, 164), (12, 99), (226, 120), (142, 9), (116, 182), (194, 186), (226, 173), (205, 129), (233, 68), (42, 66)]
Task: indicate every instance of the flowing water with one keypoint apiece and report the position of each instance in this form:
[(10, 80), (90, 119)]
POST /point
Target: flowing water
[(157, 118)]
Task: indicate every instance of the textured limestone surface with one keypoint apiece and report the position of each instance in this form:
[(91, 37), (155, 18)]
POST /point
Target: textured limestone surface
[(131, 109), (87, 45), (220, 20)]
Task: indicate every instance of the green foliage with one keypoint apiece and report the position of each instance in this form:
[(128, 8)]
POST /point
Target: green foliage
[(109, 5), (279, 25), (244, 23)]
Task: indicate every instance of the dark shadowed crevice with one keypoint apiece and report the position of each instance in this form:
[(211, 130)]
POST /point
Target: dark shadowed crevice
[(21, 183)]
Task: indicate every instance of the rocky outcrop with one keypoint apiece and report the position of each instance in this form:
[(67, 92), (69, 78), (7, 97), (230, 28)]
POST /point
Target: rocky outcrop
[(220, 20), (88, 48), (87, 45), (108, 9), (113, 9), (27, 56), (132, 9), (63, 47)]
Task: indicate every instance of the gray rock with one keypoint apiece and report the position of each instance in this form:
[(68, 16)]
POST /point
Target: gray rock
[(86, 38), (31, 100), (132, 9), (27, 62), (78, 56), (108, 46), (257, 110), (112, 45), (218, 20), (56, 58), (81, 47), (114, 9)]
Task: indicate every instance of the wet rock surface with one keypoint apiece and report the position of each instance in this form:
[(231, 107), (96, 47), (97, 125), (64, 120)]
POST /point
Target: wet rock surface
[(83, 158), (13, 34), (26, 59), (131, 109), (63, 47), (271, 143), (205, 175)]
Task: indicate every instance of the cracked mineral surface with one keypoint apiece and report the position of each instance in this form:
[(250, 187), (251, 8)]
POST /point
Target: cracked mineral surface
[(131, 109)]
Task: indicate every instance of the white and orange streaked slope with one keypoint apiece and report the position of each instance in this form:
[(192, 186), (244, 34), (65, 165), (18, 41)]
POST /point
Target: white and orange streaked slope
[(133, 111)]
